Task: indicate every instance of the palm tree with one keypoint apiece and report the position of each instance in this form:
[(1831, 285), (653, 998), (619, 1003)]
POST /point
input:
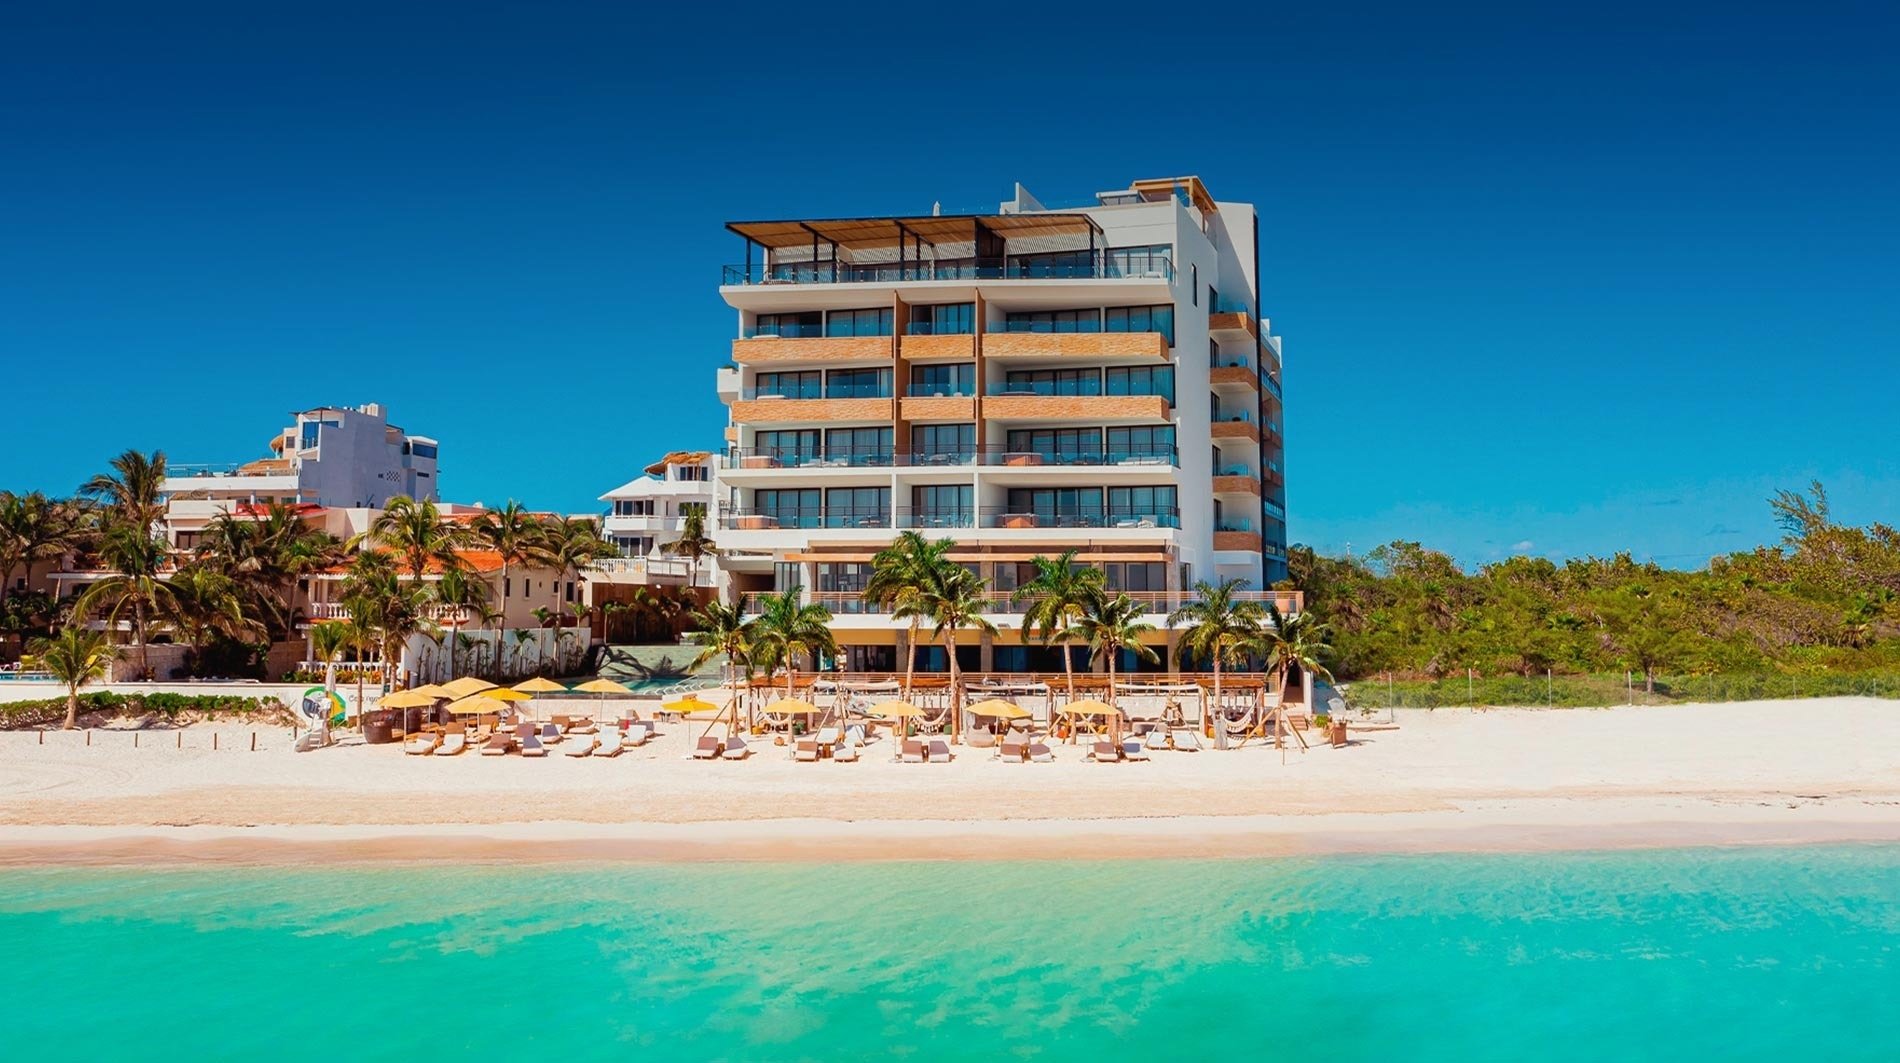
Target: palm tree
[(570, 544), (955, 599), (787, 628), (75, 657), (206, 605), (1059, 596), (513, 534), (900, 574), (328, 639), (721, 628), (416, 533), (378, 596), (457, 592), (266, 556), (1219, 630), (1114, 624), (137, 584), (692, 544), (361, 638), (1290, 642), (133, 490), (33, 528)]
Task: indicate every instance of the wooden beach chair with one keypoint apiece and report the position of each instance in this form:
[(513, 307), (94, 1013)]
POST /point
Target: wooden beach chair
[(913, 751), (582, 746), (939, 751), (1105, 753), (453, 742), (805, 749), (735, 749), (498, 745), (708, 748), (1013, 750), (422, 745), (1132, 749), (1040, 753), (639, 732)]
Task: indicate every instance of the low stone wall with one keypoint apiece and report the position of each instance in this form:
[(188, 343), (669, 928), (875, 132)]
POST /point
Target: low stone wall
[(288, 693)]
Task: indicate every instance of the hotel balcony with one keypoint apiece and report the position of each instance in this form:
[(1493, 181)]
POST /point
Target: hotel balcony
[(790, 345), (1233, 371), (1236, 425), (1076, 345), (1002, 603), (741, 461), (1270, 470), (985, 517), (1006, 402), (917, 345), (1237, 484), (1237, 539), (813, 406), (1230, 319), (934, 407), (866, 271)]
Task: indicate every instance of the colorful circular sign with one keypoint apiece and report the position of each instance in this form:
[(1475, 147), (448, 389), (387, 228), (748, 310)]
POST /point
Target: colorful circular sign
[(319, 704)]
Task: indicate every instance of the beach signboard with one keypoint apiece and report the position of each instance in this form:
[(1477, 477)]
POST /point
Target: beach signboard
[(318, 704)]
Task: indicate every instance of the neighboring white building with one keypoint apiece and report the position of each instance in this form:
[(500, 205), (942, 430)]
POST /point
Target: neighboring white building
[(646, 514), (340, 457), (1025, 382)]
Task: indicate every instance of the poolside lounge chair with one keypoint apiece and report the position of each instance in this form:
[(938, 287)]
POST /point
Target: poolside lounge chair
[(1013, 750), (913, 751), (1040, 753), (637, 734), (939, 751), (1132, 749), (422, 745), (1105, 753), (498, 745), (582, 746), (806, 749), (453, 742), (550, 734), (708, 748), (735, 749), (532, 746)]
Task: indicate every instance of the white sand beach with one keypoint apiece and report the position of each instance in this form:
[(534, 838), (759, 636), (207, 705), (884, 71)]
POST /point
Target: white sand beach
[(1740, 773)]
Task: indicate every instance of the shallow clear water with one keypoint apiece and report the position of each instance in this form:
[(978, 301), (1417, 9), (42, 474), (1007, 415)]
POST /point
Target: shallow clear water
[(1732, 954)]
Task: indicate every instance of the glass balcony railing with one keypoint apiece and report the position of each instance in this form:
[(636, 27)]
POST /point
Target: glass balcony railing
[(1083, 388), (937, 518), (1236, 416), (1225, 305), (1272, 385), (1032, 457), (1156, 267), (789, 332), (815, 391), (1233, 470), (961, 390), (742, 458), (1274, 510), (931, 328), (816, 458), (1112, 517)]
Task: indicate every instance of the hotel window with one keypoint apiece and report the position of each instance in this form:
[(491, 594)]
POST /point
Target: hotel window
[(1137, 504), (1053, 382), (790, 508), (788, 446), (810, 323), (1089, 320), (1137, 442), (872, 322), (1058, 446), (787, 576), (859, 446), (1136, 575), (1053, 264), (858, 384), (692, 473), (633, 507), (805, 384), (946, 319), (1158, 318), (942, 505), (1062, 507), (310, 432), (1148, 261), (954, 378), (843, 576), (943, 444), (420, 450), (858, 507), (1194, 287), (693, 509), (1140, 380)]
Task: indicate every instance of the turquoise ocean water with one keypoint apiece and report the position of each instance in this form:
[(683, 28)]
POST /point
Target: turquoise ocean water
[(1770, 954)]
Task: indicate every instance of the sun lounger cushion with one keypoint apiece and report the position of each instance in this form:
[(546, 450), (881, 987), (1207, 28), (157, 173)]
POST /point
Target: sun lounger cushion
[(1105, 752), (1132, 749), (533, 747), (498, 746), (735, 748), (1013, 750), (582, 747), (550, 734), (708, 748), (1041, 753), (1188, 740), (845, 751), (637, 735), (609, 748), (806, 749), (452, 743), (422, 745), (939, 752), (1158, 738), (913, 751)]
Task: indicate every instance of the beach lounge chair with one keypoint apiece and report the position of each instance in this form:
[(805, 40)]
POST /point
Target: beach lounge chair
[(1187, 740), (422, 745), (1040, 753), (1013, 749), (612, 747), (913, 751), (582, 746), (939, 751), (582, 725), (1157, 739), (708, 748), (498, 745), (1132, 749), (453, 742), (531, 746), (1105, 753), (846, 750), (805, 749), (550, 734), (637, 734), (735, 749)]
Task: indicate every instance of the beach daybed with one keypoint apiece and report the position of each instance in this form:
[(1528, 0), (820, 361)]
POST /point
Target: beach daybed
[(1040, 753), (846, 750), (939, 751), (1158, 739), (1186, 741), (638, 732), (708, 748), (805, 749), (610, 748)]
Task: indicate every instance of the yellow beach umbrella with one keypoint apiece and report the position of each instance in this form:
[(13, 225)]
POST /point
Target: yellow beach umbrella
[(691, 703), (792, 706), (602, 686), (538, 685), (434, 690), (478, 705), (896, 710), (999, 709), (1090, 707), (406, 699), (504, 694), (465, 686)]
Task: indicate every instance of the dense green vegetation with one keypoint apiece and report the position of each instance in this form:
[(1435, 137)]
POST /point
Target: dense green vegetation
[(41, 711), (1823, 603)]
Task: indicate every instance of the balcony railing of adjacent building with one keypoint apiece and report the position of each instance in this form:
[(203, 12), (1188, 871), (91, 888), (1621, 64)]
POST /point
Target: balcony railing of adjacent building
[(987, 454), (1002, 603), (1274, 510), (817, 391), (1272, 385), (1081, 388), (1156, 267), (1227, 305)]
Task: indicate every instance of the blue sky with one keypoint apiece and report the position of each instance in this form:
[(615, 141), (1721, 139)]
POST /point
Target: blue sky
[(1550, 282)]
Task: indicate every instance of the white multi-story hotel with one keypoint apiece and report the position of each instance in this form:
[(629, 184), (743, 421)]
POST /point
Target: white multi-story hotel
[(1026, 382), (341, 457), (647, 514)]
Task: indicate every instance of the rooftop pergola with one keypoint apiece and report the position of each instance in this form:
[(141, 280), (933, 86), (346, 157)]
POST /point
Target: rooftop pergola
[(905, 239)]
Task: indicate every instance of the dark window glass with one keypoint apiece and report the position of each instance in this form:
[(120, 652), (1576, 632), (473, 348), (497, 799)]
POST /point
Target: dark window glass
[(1158, 318), (791, 508), (943, 444), (1053, 264), (858, 384), (871, 322), (1139, 442), (947, 319), (1058, 446), (1151, 260), (1140, 380), (808, 323), (952, 378), (857, 507), (805, 384), (859, 446), (1053, 382), (1089, 320), (788, 446), (1079, 507)]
